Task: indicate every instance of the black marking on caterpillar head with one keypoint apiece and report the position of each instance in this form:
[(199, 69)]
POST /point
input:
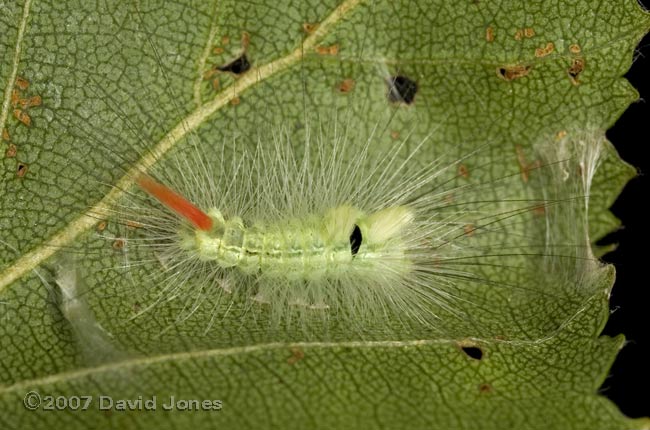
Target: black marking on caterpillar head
[(239, 66), (355, 240)]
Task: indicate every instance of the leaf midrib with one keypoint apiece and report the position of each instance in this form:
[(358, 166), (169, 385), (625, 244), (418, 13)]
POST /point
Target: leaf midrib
[(210, 353)]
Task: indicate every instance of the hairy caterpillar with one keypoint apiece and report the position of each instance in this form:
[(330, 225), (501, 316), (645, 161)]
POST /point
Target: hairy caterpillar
[(342, 232), (416, 229), (319, 223)]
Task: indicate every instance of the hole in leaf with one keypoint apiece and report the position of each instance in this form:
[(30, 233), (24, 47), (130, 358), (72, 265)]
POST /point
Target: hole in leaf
[(239, 66), (513, 72), (401, 89), (473, 352), (21, 171), (577, 67)]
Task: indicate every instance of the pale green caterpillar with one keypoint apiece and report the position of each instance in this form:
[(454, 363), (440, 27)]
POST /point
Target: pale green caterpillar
[(326, 252), (340, 232), (343, 240)]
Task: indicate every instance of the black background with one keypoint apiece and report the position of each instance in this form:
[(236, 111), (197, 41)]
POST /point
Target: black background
[(629, 382)]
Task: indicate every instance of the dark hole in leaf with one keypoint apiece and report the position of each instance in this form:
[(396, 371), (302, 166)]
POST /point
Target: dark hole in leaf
[(239, 66), (22, 170), (401, 89), (577, 67), (355, 240), (473, 352), (512, 72)]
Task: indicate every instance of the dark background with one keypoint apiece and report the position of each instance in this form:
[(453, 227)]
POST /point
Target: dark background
[(629, 382)]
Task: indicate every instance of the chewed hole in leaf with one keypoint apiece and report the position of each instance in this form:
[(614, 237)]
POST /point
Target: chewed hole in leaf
[(402, 89), (473, 352), (21, 170), (239, 66), (575, 69), (512, 72)]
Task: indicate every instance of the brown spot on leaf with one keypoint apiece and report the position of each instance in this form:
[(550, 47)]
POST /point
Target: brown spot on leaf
[(575, 69), (101, 226), (309, 27), (469, 229), (210, 73), (5, 134), (540, 209), (22, 83), (394, 134), (297, 354), (21, 170), (15, 97), (328, 50), (560, 135), (118, 244), (23, 117), (489, 34), (132, 225), (544, 51), (11, 151), (346, 85), (225, 40), (235, 101), (512, 72), (463, 171), (526, 32), (524, 166), (485, 388), (216, 84), (31, 101), (217, 50), (575, 48), (245, 40)]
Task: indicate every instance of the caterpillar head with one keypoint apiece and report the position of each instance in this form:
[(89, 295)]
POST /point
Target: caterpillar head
[(368, 233)]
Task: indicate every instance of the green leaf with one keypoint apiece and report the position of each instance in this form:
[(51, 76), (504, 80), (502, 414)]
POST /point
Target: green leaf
[(138, 81)]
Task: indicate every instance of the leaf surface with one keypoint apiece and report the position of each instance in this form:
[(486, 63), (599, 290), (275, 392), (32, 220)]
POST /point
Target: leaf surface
[(142, 81)]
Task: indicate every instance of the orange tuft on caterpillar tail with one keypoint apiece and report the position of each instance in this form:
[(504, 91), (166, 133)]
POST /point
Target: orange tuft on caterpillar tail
[(174, 201)]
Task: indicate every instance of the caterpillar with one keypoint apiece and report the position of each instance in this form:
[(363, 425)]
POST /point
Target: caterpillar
[(339, 232), (322, 217)]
